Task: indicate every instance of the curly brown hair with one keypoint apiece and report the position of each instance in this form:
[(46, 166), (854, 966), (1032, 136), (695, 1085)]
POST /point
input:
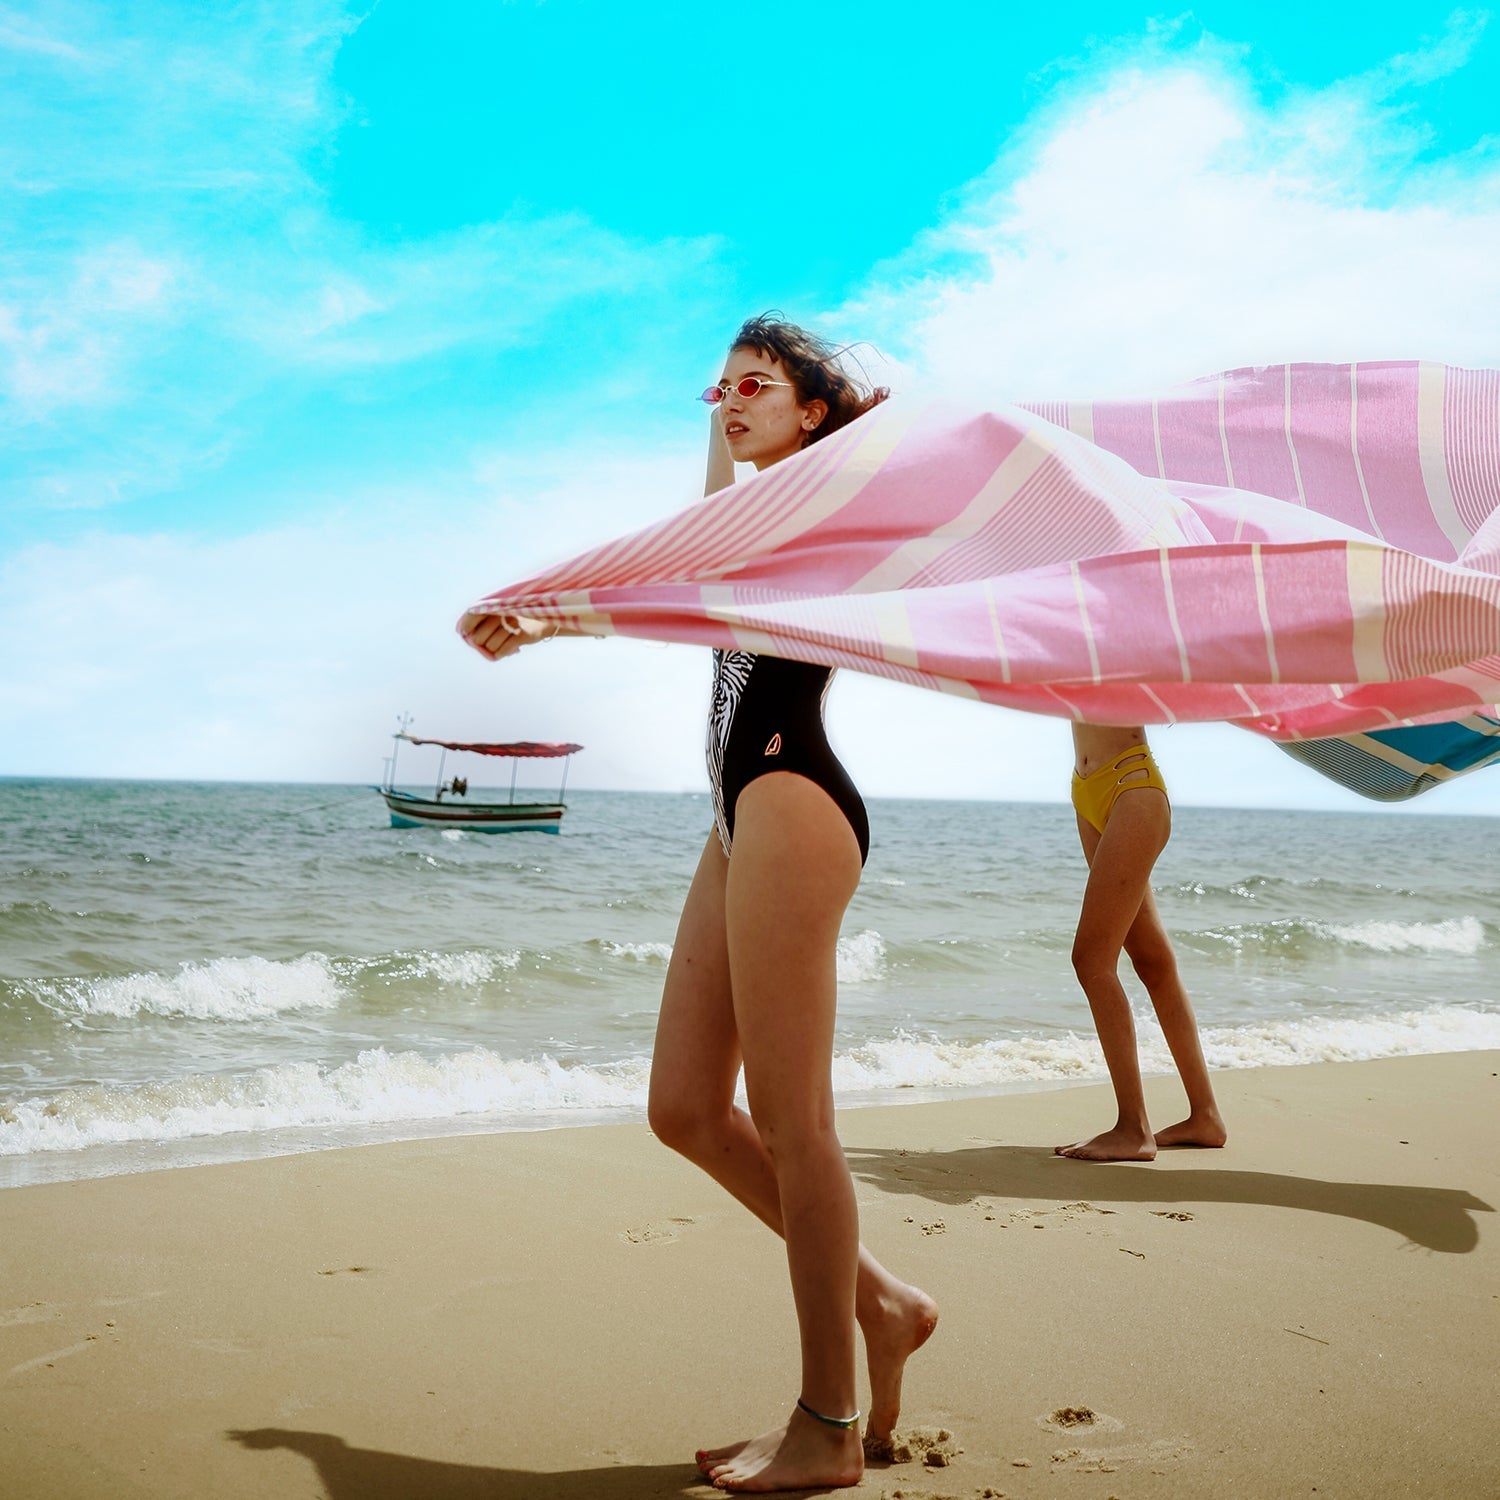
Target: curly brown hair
[(812, 366)]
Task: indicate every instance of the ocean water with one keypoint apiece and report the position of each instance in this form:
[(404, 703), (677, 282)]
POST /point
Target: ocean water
[(205, 971)]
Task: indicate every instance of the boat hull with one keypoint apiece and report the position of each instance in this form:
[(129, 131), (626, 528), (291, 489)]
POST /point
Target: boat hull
[(476, 817)]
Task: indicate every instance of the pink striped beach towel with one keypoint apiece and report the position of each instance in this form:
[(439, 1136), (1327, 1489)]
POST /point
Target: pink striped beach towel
[(1303, 550)]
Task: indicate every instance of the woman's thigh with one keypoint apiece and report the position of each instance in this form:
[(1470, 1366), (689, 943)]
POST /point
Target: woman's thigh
[(796, 864), (696, 1058), (1120, 865)]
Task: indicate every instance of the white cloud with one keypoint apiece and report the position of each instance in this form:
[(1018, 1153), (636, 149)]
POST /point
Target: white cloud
[(68, 332), (1164, 223)]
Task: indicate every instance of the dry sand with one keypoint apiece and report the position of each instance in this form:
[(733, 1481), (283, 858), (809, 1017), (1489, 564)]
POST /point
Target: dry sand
[(568, 1315)]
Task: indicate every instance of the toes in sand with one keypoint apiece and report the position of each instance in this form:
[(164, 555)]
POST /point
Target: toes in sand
[(903, 1324)]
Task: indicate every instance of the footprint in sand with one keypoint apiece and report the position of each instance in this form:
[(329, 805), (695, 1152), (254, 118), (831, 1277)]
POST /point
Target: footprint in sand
[(32, 1312), (1078, 1420), (1065, 1213), (1154, 1455), (656, 1233), (1162, 1213), (1083, 1422)]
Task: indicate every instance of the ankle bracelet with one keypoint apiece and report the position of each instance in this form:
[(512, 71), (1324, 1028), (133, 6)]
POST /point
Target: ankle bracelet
[(845, 1423)]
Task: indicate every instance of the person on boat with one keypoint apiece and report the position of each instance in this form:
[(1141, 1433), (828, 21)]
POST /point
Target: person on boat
[(1124, 821), (752, 979)]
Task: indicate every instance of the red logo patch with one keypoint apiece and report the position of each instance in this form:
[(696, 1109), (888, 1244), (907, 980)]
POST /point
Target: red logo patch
[(774, 748)]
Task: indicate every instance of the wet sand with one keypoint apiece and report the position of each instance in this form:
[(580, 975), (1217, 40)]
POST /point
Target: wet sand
[(568, 1315)]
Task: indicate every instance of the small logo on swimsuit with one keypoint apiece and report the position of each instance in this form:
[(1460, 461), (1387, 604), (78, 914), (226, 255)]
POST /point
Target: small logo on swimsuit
[(774, 748)]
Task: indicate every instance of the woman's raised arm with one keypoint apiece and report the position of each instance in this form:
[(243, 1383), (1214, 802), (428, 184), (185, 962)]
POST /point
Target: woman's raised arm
[(720, 464)]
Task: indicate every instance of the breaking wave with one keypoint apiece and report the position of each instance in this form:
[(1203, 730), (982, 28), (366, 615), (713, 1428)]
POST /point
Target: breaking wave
[(223, 989), (1460, 936), (381, 1087)]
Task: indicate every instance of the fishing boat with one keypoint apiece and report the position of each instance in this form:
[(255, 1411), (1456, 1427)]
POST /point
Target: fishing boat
[(449, 805)]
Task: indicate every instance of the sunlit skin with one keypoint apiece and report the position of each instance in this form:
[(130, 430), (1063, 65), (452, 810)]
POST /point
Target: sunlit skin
[(1119, 913), (752, 984)]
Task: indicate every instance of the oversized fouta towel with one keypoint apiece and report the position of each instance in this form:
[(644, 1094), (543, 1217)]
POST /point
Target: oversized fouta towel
[(1304, 550)]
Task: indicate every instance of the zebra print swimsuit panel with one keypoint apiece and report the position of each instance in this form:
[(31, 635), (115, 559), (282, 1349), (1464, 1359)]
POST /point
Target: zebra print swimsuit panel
[(767, 715)]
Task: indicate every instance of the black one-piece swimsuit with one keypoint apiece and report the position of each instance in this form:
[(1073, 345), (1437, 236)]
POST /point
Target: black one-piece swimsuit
[(767, 715)]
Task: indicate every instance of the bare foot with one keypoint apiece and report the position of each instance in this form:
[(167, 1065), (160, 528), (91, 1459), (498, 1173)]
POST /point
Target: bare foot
[(894, 1330), (1202, 1128), (1119, 1144), (895, 1327), (805, 1454), (709, 1457)]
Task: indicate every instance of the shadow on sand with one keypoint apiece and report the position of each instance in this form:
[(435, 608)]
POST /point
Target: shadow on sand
[(1436, 1218), (349, 1473)]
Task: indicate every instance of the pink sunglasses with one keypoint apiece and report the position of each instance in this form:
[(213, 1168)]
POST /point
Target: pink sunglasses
[(751, 385)]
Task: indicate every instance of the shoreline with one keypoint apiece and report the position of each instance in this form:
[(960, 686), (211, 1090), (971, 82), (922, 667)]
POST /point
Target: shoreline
[(56, 1166), (131, 1158), (566, 1314)]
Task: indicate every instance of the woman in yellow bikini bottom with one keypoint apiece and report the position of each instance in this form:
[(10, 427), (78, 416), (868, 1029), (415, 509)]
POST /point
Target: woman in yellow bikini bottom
[(1122, 840), (1095, 795)]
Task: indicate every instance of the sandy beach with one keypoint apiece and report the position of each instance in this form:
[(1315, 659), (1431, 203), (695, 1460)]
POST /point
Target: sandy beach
[(569, 1314)]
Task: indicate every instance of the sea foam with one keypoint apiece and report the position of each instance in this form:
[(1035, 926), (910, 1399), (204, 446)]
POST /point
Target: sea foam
[(223, 989), (381, 1087), (641, 953), (473, 966), (377, 1087), (860, 958), (258, 989), (908, 1061), (1460, 935)]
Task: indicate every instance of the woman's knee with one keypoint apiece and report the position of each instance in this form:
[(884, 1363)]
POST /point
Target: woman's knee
[(680, 1119), (1154, 963), (792, 1135), (1093, 960)]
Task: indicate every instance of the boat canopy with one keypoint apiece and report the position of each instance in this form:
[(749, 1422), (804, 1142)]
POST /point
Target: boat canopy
[(519, 749)]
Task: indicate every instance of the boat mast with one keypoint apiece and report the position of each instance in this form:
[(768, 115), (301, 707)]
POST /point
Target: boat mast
[(515, 765), (403, 721)]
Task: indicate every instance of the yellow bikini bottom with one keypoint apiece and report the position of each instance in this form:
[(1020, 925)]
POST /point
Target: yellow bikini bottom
[(1094, 795)]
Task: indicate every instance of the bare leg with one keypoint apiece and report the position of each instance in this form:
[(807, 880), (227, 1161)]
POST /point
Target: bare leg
[(1120, 862), (694, 1068), (1155, 964), (795, 866)]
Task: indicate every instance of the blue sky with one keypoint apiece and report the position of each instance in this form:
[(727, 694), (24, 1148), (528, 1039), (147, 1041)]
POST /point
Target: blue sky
[(316, 321)]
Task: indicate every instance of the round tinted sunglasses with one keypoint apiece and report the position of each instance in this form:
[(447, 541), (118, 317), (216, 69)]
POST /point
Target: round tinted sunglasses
[(750, 386)]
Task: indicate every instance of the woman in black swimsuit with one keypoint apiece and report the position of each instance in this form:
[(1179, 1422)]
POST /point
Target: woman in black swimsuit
[(752, 978)]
